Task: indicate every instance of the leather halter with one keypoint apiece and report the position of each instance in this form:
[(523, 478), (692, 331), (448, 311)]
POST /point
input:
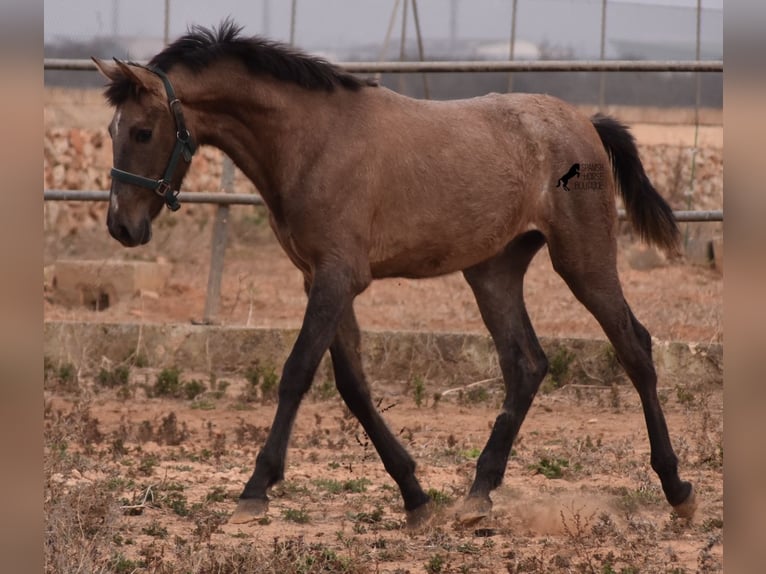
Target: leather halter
[(184, 147)]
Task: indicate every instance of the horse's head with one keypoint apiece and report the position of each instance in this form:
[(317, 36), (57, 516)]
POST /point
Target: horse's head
[(151, 149)]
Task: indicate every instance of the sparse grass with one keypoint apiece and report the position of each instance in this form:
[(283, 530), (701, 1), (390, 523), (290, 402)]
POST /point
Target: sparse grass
[(435, 564), (192, 389), (325, 390), (86, 520), (262, 384), (439, 497), (418, 391), (62, 377), (155, 529), (216, 494), (373, 517), (299, 516), (218, 387), (551, 467), (203, 405), (167, 383), (558, 370), (685, 396), (336, 486), (473, 395), (116, 377), (471, 453), (147, 464)]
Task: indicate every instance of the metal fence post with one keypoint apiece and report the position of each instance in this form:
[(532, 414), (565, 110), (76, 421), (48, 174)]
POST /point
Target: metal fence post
[(218, 247), (602, 54), (512, 46)]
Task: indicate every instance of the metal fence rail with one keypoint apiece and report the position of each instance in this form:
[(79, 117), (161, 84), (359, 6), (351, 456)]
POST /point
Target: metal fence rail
[(395, 67), (255, 199)]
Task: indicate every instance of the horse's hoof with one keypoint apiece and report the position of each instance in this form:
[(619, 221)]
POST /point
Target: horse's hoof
[(687, 507), (421, 516), (474, 509), (249, 510)]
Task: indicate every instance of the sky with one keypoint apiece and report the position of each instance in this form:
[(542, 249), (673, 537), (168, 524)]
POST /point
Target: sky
[(332, 26)]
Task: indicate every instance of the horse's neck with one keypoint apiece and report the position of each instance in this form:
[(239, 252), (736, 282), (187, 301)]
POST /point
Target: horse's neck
[(265, 126)]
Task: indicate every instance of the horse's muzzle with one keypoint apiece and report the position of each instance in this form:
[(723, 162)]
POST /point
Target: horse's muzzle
[(130, 236)]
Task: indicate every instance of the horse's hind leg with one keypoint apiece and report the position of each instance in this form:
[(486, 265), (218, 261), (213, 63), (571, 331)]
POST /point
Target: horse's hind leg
[(588, 265), (497, 285), (353, 388)]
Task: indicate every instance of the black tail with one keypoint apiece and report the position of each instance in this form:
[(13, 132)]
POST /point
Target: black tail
[(647, 211)]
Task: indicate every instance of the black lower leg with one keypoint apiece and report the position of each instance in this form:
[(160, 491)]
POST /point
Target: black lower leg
[(497, 285), (329, 296), (352, 386), (640, 368)]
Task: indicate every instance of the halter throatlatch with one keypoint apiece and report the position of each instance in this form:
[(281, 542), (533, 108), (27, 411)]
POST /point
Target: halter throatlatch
[(184, 147)]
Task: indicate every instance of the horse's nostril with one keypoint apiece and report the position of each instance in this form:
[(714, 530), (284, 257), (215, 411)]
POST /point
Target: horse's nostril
[(120, 232)]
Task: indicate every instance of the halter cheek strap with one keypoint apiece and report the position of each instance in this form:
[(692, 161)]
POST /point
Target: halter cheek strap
[(184, 147)]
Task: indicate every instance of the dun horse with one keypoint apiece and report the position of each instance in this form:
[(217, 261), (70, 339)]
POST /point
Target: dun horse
[(363, 183)]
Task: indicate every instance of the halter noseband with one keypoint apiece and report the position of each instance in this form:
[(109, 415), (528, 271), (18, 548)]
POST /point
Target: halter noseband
[(185, 147)]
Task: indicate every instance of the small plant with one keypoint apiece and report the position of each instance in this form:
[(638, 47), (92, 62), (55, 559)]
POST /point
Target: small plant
[(177, 502), (169, 432), (684, 396), (418, 391), (216, 494), (147, 464), (269, 384), (435, 564), (111, 378), (168, 383), (471, 453), (156, 530), (203, 405), (63, 377), (263, 379), (336, 486), (218, 388), (551, 467), (294, 515), (559, 367), (614, 397), (325, 391), (439, 497), (193, 389), (122, 565), (474, 395), (373, 517)]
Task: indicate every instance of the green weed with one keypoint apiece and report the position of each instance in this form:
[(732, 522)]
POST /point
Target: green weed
[(111, 378), (299, 516), (551, 467), (418, 391)]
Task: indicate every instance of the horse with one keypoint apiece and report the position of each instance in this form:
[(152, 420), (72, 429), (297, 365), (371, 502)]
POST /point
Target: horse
[(363, 183)]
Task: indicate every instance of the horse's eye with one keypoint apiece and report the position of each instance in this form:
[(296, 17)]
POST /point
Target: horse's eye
[(143, 136)]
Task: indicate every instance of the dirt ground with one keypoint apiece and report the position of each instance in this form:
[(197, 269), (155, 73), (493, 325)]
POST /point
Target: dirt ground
[(139, 484), (138, 481)]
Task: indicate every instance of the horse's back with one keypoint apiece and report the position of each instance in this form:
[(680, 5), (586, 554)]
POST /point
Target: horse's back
[(455, 181)]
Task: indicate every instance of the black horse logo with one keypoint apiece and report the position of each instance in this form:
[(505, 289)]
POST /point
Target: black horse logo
[(564, 179)]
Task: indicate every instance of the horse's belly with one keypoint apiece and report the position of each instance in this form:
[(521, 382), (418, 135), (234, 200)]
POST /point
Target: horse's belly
[(430, 258)]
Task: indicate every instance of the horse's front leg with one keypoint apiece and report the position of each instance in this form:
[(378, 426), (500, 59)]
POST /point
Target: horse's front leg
[(332, 291)]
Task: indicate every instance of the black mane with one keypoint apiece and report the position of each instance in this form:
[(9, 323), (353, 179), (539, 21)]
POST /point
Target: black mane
[(201, 47)]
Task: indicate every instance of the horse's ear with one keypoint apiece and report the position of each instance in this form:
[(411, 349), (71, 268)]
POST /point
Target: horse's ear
[(110, 71), (140, 76)]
